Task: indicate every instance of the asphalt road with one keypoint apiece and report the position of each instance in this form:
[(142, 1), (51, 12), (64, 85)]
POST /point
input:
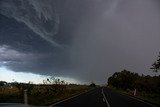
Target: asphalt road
[(102, 97)]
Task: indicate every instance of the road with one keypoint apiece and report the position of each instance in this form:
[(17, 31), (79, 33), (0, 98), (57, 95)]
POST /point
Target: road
[(102, 97)]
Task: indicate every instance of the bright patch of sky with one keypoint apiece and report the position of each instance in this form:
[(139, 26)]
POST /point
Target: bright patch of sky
[(11, 76)]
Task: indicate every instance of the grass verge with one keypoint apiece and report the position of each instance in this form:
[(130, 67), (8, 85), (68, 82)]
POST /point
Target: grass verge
[(153, 98), (42, 95)]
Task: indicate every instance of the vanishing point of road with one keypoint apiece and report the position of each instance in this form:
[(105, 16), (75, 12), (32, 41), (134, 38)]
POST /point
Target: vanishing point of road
[(102, 97)]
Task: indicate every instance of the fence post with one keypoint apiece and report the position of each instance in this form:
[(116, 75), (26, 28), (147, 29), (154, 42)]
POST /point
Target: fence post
[(135, 92), (25, 97)]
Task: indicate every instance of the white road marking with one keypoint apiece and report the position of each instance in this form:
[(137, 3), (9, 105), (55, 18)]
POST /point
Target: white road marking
[(105, 98), (70, 98), (138, 99)]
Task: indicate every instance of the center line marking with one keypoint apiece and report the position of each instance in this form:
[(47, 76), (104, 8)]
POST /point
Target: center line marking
[(105, 98)]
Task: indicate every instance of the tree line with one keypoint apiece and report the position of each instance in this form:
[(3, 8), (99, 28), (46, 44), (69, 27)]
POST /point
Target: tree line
[(156, 64), (129, 80)]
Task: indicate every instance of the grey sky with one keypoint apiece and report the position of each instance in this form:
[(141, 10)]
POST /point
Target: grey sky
[(87, 40)]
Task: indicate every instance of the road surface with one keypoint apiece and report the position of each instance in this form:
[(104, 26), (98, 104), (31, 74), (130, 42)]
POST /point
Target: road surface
[(102, 97)]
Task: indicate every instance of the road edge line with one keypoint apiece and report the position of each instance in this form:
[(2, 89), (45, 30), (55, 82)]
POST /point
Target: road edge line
[(135, 98), (141, 100), (70, 98), (105, 98)]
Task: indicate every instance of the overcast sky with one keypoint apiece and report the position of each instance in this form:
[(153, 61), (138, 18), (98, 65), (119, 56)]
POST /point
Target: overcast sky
[(87, 40)]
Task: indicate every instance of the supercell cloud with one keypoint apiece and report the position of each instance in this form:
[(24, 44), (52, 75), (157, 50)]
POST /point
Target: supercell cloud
[(87, 40)]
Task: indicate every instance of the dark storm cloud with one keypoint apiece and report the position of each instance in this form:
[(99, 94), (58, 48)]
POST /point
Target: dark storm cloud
[(40, 63), (38, 15), (99, 37), (124, 34), (34, 53)]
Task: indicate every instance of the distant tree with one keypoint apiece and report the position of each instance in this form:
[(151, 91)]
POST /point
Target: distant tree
[(52, 80), (128, 80), (156, 65), (124, 79), (54, 84), (3, 83), (23, 86), (92, 84)]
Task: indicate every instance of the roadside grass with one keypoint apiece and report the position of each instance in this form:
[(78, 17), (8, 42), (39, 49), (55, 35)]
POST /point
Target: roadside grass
[(48, 98), (153, 98), (10, 95), (42, 95)]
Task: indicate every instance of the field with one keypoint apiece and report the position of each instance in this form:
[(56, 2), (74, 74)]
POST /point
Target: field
[(40, 94)]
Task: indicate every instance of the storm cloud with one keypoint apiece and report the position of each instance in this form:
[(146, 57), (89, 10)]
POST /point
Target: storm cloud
[(38, 15), (99, 37)]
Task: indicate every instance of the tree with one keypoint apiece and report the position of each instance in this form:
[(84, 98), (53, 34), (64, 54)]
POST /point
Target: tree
[(156, 65), (3, 83), (129, 80), (124, 79), (54, 85), (92, 84)]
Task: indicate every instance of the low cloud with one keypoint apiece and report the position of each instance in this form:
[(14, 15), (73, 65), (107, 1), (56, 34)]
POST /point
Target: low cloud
[(25, 62)]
